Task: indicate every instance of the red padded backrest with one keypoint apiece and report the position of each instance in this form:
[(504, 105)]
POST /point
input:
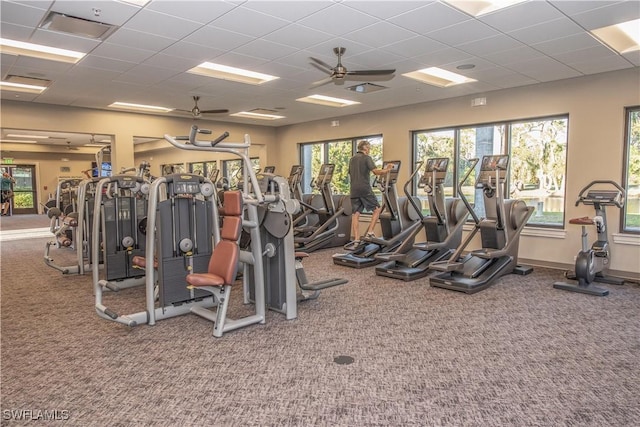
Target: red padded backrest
[(224, 259)]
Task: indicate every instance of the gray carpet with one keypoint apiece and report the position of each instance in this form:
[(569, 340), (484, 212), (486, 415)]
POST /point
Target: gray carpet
[(517, 354)]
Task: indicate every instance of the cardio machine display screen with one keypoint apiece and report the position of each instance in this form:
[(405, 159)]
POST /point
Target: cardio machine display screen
[(186, 187), (491, 163), (437, 164)]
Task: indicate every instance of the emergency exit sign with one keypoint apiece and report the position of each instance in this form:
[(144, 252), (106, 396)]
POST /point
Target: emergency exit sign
[(7, 161)]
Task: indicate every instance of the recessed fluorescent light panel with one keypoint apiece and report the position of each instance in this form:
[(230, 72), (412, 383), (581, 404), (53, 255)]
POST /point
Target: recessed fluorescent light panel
[(20, 87), (327, 101), (22, 135), (140, 107), (209, 69), (19, 141), (623, 37), (13, 47), (481, 7), (438, 77), (261, 116)]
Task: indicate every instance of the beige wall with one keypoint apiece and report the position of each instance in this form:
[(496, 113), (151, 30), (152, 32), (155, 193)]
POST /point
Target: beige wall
[(595, 105)]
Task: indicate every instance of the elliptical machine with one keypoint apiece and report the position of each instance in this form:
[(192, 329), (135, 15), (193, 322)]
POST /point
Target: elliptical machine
[(398, 221), (592, 262), (333, 217), (443, 228), (499, 235)]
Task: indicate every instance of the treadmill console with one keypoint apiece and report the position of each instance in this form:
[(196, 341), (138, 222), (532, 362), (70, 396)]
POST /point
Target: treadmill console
[(488, 168), (438, 165)]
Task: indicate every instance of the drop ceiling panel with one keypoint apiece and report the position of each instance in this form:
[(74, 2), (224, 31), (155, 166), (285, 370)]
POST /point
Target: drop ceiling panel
[(140, 40), (385, 9), (15, 32), (246, 21), (413, 47), (197, 11), (145, 75), (573, 7), (265, 50), (289, 10), (490, 45), (121, 53), (567, 44), (192, 53), (609, 15), (337, 20), (298, 36), (63, 41), (462, 32), (380, 34), (598, 52), (147, 21), (20, 14), (521, 15), (597, 65), (511, 56), (544, 69), (213, 36), (546, 31), (93, 61), (431, 17)]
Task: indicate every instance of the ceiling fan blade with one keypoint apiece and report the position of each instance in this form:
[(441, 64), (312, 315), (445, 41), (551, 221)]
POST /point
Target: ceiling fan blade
[(223, 110), (321, 82), (370, 72), (330, 72), (322, 63)]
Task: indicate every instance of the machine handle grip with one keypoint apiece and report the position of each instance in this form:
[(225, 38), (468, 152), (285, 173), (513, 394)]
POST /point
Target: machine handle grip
[(220, 138)]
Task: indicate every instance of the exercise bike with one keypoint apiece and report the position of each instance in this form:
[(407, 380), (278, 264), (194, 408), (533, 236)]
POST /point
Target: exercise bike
[(592, 262)]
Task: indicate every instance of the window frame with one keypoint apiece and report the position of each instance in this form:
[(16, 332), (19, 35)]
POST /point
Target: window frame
[(325, 150), (626, 173), (506, 147)]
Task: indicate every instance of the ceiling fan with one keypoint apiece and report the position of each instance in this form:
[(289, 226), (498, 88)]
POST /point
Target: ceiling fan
[(196, 112), (339, 73)]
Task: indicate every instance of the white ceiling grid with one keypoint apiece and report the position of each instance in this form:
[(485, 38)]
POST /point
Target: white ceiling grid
[(145, 60)]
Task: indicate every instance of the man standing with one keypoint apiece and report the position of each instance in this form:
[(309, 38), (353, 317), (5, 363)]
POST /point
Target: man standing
[(6, 191), (361, 166)]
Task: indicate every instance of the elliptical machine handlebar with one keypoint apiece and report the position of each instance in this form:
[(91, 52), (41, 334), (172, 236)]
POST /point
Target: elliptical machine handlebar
[(617, 199), (474, 161), (407, 193)]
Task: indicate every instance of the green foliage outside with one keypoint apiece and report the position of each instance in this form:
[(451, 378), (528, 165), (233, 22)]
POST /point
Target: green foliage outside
[(23, 200)]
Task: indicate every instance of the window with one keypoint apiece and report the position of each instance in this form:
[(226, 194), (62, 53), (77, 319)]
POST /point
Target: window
[(208, 169), (537, 151), (232, 170), (631, 211), (338, 152)]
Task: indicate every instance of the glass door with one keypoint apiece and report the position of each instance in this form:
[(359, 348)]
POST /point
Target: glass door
[(24, 190)]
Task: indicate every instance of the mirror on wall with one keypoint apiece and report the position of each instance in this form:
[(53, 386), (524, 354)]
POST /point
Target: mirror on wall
[(16, 141)]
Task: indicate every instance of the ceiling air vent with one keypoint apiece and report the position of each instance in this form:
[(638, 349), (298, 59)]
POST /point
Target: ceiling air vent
[(55, 21)]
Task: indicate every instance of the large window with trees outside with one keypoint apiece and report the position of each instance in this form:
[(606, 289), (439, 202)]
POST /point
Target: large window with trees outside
[(338, 152), (232, 171), (207, 169), (631, 211), (538, 151)]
